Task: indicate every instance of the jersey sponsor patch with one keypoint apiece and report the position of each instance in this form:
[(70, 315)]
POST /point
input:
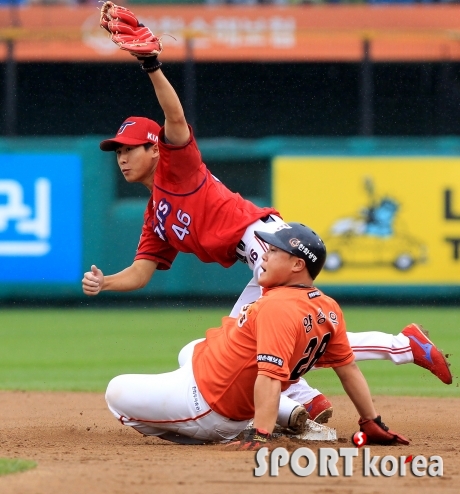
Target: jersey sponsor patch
[(272, 359), (314, 294)]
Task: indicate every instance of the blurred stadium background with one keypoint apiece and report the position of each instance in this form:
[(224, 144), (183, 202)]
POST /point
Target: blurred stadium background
[(260, 82), (343, 115)]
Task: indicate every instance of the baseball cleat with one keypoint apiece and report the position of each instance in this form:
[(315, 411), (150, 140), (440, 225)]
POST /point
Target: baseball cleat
[(297, 424), (318, 432), (426, 354), (298, 420), (320, 409)]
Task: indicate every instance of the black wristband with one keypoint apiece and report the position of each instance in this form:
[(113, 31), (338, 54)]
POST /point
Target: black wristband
[(378, 421), (150, 64)]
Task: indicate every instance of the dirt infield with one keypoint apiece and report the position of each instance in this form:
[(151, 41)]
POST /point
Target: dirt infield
[(80, 448)]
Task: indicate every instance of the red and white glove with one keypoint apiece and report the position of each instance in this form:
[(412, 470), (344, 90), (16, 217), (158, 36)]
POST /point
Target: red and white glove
[(377, 432), (130, 35), (111, 12)]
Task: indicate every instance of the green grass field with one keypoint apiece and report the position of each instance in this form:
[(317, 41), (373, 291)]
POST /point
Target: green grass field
[(82, 349), (10, 465)]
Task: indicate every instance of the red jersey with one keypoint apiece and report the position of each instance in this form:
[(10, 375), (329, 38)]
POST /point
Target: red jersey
[(282, 335), (191, 211)]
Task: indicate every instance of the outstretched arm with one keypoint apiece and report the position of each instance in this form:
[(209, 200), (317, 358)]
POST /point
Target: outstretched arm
[(130, 35), (132, 278), (356, 387), (176, 128)]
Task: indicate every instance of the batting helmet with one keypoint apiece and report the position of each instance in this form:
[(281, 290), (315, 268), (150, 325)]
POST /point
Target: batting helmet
[(300, 241)]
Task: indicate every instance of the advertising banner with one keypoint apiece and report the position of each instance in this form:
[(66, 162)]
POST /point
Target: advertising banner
[(40, 218), (240, 33), (385, 220)]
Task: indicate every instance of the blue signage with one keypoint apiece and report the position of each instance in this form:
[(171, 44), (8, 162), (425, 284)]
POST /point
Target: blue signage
[(40, 217)]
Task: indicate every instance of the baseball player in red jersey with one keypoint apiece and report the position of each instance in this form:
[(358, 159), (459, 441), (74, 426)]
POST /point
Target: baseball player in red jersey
[(240, 369), (191, 211)]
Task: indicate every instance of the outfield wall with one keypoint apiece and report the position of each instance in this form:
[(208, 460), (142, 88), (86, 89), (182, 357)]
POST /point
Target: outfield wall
[(389, 210)]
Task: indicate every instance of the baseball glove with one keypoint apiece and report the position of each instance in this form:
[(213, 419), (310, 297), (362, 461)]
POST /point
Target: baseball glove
[(129, 34), (378, 433)]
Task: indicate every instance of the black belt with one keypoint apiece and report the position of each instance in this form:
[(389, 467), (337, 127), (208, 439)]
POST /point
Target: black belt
[(267, 219)]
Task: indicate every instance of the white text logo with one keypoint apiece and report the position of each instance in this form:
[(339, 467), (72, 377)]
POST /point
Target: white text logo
[(303, 462), (26, 220)]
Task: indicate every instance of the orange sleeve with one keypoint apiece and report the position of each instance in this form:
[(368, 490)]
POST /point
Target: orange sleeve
[(276, 333)]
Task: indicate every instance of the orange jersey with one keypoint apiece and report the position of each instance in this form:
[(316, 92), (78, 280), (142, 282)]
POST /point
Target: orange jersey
[(282, 335)]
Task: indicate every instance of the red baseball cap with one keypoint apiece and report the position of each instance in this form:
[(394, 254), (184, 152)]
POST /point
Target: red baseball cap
[(134, 131)]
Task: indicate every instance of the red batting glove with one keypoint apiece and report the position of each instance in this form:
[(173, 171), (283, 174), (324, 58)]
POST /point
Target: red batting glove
[(377, 432), (253, 440)]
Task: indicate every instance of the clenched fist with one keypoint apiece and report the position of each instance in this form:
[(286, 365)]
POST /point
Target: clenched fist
[(92, 281)]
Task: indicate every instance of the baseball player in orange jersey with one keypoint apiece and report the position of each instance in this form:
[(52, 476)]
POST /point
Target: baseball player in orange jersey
[(240, 369), (192, 211)]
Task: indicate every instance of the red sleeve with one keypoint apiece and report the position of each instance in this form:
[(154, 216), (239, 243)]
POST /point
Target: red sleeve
[(152, 247), (179, 164)]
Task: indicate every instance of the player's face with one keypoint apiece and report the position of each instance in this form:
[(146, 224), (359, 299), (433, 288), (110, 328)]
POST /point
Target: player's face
[(137, 163), (276, 268)]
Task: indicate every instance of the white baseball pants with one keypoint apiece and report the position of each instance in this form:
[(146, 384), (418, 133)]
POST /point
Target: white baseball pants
[(169, 405)]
